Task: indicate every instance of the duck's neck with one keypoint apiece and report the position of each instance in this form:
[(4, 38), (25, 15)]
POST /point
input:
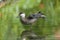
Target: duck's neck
[(23, 18)]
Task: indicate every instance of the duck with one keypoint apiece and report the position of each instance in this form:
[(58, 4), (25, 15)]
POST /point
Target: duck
[(31, 18)]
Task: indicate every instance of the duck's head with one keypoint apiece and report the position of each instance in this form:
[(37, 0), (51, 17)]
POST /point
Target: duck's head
[(22, 14)]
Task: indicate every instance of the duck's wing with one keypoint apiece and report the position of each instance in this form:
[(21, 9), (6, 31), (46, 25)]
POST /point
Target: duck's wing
[(29, 18), (32, 16)]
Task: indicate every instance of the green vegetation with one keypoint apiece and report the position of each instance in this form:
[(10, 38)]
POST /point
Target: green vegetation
[(11, 27)]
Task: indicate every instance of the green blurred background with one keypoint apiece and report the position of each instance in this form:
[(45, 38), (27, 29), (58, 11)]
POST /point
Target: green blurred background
[(11, 27)]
